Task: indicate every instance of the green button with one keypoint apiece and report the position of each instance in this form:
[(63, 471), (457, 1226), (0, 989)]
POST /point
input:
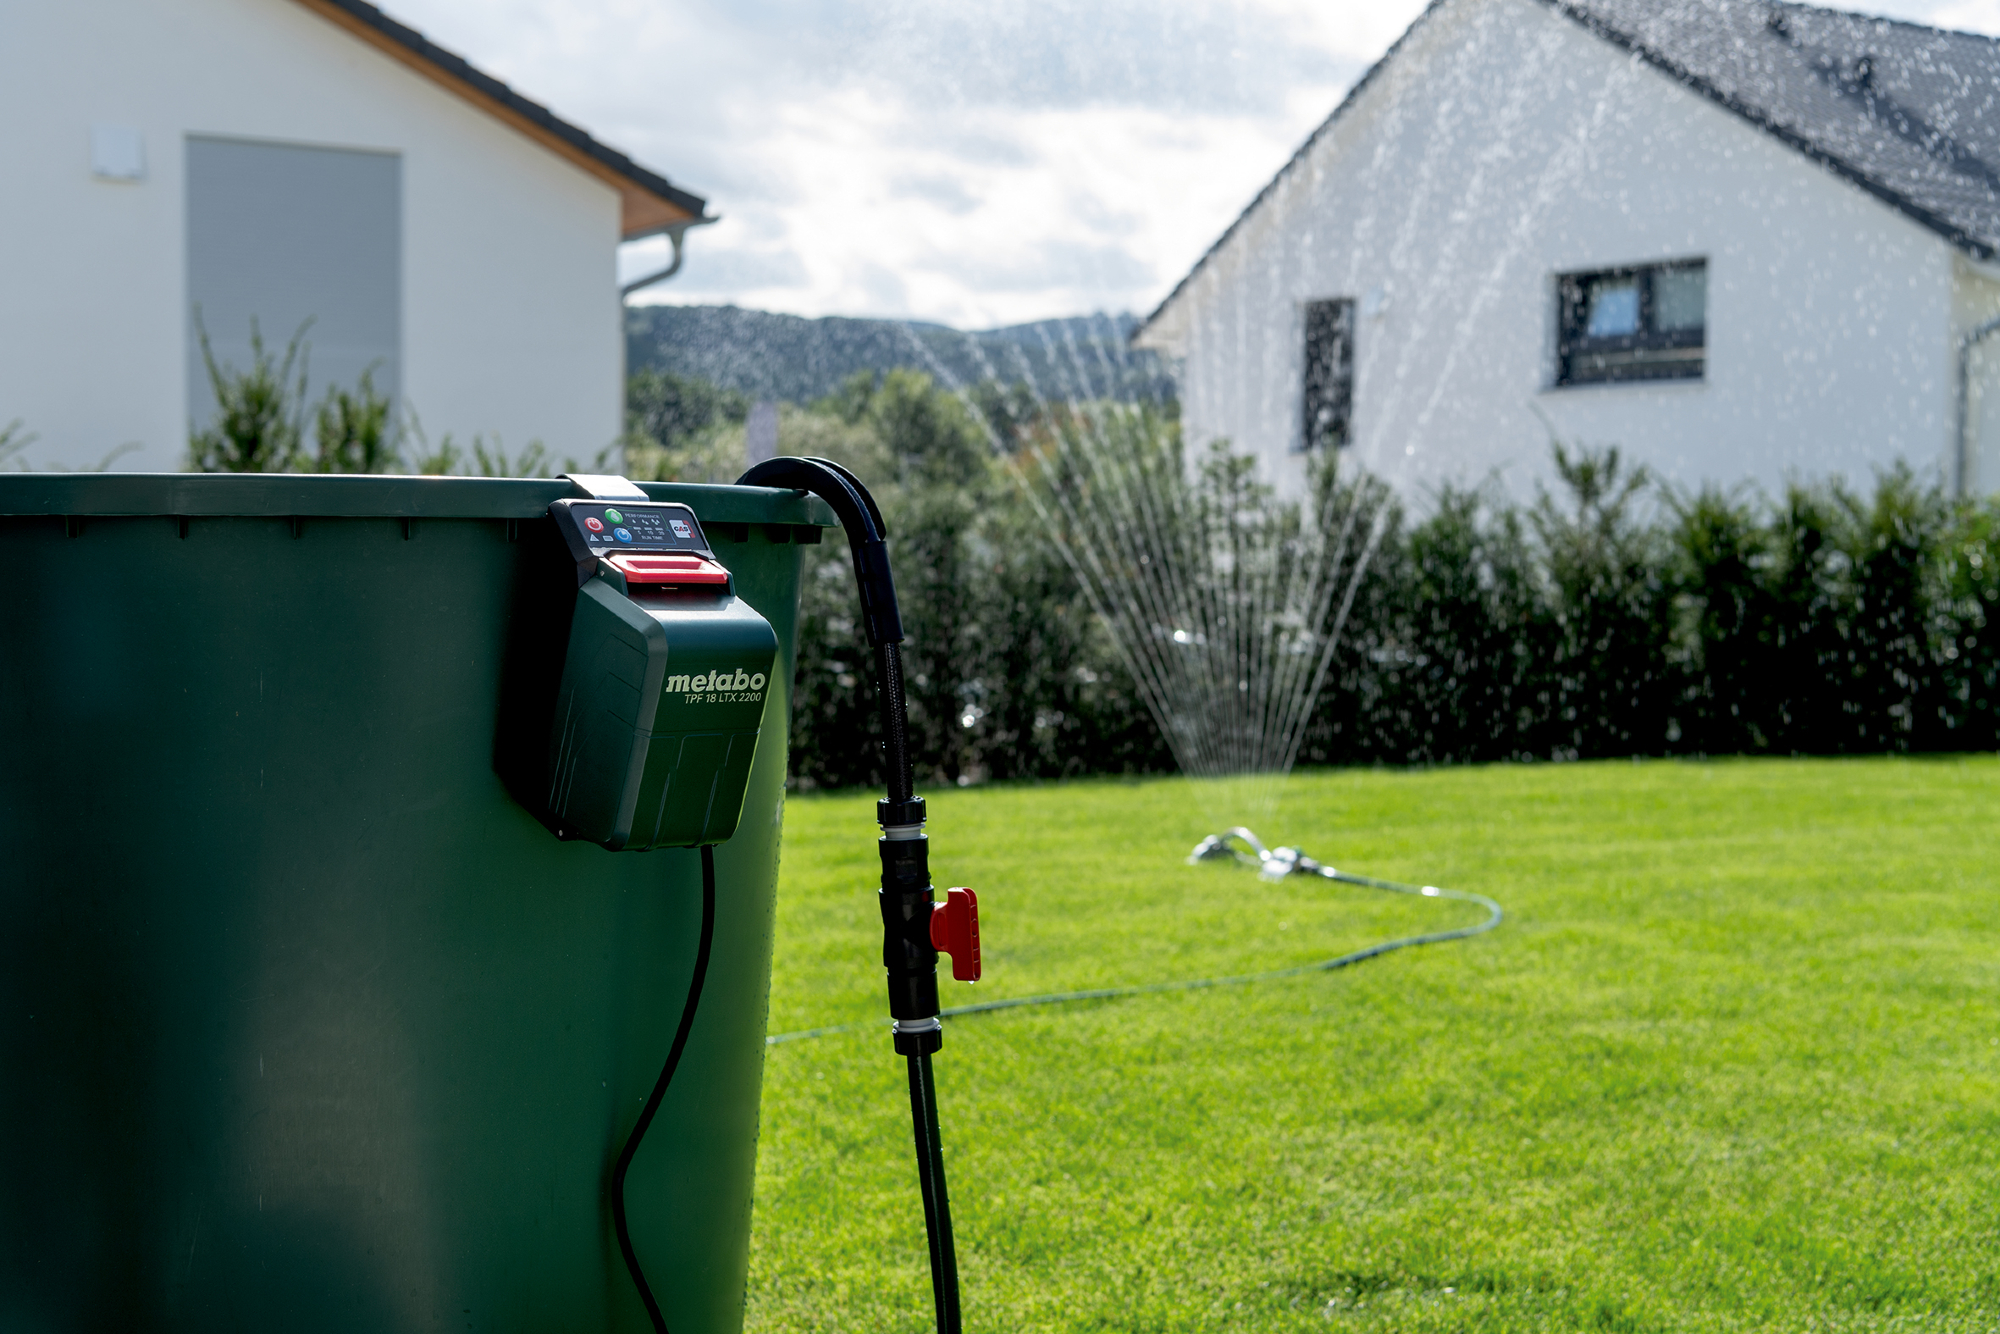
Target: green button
[(614, 516)]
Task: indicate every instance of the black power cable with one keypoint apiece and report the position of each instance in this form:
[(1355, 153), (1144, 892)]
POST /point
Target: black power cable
[(652, 1107)]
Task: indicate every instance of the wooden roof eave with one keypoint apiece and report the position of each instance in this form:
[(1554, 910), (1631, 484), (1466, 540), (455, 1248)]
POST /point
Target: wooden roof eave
[(648, 203)]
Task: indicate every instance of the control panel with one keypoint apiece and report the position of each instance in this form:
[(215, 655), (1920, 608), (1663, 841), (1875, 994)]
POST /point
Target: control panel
[(599, 529)]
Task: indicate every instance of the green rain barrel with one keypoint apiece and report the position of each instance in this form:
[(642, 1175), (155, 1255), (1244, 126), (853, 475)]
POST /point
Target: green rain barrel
[(308, 1024)]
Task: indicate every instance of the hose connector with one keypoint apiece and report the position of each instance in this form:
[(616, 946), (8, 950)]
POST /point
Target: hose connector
[(907, 953), (917, 1037)]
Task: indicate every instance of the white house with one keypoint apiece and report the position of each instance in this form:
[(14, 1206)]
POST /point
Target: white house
[(1740, 240), (294, 160)]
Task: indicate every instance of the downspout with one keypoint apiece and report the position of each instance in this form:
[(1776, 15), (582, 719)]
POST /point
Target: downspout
[(676, 233), (1962, 472)]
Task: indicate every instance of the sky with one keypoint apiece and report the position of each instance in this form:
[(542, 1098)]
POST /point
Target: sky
[(972, 162)]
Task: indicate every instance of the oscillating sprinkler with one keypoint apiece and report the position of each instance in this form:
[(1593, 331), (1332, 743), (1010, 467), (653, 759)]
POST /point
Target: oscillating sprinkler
[(1240, 845)]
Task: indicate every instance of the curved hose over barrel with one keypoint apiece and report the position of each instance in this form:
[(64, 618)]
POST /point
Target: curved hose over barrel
[(906, 898)]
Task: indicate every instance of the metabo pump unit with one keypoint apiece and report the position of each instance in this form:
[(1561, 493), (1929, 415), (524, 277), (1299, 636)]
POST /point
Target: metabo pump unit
[(663, 686), (662, 696)]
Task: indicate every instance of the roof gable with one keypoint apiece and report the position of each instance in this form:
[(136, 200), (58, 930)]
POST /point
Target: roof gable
[(649, 202), (1908, 113)]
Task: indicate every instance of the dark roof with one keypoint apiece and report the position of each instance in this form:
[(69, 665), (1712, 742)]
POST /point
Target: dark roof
[(412, 47), (1908, 113)]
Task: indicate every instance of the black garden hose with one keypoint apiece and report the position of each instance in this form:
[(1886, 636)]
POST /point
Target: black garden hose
[(908, 957), (937, 1206)]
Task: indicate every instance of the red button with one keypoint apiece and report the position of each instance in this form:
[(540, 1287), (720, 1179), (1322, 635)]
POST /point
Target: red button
[(594, 525), (668, 569)]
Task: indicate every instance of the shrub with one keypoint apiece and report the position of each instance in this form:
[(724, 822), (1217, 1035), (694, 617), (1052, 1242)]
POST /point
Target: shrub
[(1821, 622), (260, 416), (259, 413), (353, 430)]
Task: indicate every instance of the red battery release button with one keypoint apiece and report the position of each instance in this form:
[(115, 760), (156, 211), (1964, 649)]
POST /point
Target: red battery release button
[(680, 570)]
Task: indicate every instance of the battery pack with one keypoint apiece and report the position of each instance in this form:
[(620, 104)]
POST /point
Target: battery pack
[(663, 686)]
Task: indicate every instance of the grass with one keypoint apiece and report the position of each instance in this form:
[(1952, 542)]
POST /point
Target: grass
[(1732, 1062)]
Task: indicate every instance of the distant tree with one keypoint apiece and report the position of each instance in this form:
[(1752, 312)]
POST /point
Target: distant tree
[(669, 409), (677, 428), (1009, 673)]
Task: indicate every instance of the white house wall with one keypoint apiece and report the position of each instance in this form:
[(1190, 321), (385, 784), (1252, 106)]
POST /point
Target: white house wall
[(1504, 145), (510, 309)]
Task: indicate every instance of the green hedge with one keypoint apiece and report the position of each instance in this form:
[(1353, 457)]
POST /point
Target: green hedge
[(1611, 617), (1618, 619)]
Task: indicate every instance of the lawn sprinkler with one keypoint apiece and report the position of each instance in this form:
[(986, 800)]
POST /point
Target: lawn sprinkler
[(1240, 845), (657, 717)]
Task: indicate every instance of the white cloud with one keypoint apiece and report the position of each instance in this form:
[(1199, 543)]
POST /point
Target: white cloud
[(1962, 15), (977, 163)]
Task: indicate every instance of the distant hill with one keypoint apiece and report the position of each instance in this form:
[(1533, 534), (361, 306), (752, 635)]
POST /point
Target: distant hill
[(796, 360)]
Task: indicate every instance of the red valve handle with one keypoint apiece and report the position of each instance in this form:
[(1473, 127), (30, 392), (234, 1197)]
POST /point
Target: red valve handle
[(955, 931)]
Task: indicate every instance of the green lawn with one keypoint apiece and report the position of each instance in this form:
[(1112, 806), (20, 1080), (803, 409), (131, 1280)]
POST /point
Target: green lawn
[(1732, 1062)]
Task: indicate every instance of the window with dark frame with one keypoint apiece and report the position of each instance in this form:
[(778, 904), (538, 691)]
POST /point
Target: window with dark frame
[(1629, 325), (1329, 374)]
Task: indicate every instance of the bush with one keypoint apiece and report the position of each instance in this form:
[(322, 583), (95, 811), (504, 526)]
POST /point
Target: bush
[(1821, 622), (260, 416), (353, 430), (259, 413)]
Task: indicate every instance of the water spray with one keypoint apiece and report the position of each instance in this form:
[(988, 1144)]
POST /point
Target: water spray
[(1227, 607)]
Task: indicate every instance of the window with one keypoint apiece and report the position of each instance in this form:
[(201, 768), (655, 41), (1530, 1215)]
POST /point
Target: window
[(283, 233), (1643, 323), (1329, 377)]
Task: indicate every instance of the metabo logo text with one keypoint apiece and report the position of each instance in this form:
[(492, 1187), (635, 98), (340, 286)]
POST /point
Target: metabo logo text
[(737, 681)]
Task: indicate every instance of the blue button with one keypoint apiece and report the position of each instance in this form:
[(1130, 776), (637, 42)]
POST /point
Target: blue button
[(622, 534)]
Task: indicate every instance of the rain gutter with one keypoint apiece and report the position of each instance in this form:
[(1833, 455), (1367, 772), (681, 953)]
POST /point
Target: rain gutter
[(1962, 464), (677, 233)]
